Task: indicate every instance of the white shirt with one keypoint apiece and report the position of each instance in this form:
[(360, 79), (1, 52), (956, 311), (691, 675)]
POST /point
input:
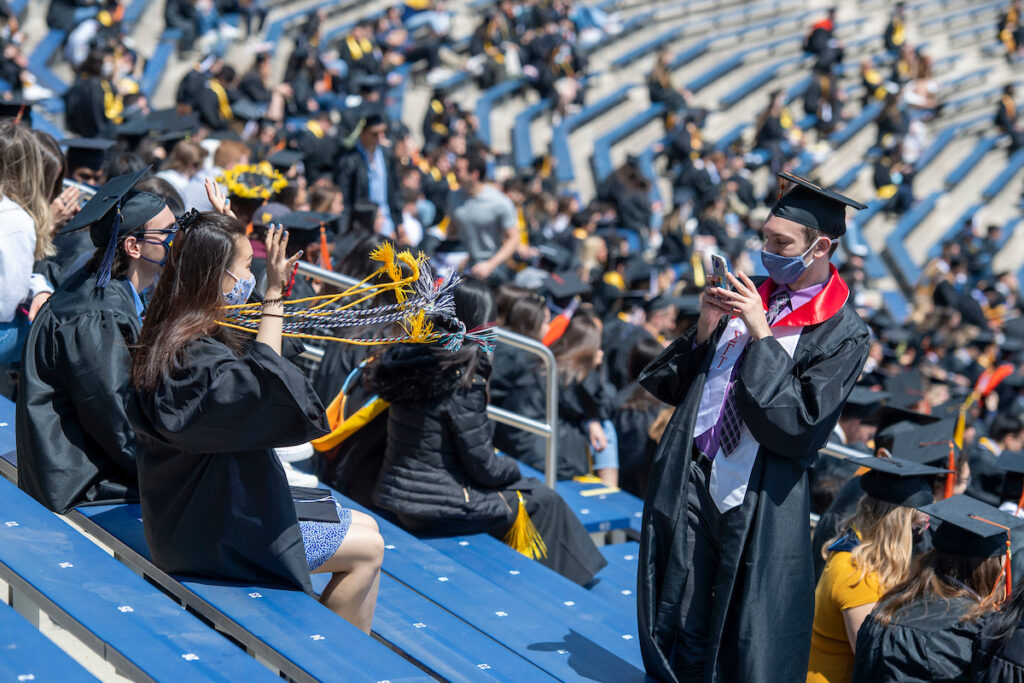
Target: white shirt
[(18, 284)]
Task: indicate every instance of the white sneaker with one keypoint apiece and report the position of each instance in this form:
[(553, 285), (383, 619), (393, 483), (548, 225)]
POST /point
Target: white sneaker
[(304, 451)]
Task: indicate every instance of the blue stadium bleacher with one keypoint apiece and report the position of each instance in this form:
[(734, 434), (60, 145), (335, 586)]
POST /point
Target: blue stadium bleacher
[(28, 655), (903, 267), (599, 508), (963, 169), (973, 12), (522, 144), (955, 228), (602, 159), (130, 623), (155, 65), (492, 96), (39, 61), (758, 80), (855, 125), (998, 183), (560, 135)]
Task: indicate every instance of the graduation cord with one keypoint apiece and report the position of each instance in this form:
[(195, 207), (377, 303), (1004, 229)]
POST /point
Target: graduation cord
[(1007, 566), (419, 300)]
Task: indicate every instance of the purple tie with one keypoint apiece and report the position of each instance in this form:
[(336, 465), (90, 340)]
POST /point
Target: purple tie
[(730, 426)]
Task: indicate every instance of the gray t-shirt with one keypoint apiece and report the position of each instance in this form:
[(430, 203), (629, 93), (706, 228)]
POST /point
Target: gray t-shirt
[(481, 222)]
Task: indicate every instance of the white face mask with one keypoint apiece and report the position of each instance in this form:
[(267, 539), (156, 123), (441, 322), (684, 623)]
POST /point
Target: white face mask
[(108, 69)]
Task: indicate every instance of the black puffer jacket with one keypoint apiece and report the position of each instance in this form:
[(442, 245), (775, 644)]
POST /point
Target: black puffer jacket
[(439, 463)]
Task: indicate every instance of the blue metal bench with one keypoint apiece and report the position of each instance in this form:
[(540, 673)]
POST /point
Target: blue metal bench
[(757, 80), (492, 96), (28, 655), (39, 61), (284, 627), (564, 172), (535, 583), (964, 168), (119, 615), (522, 143), (969, 13), (856, 124), (873, 266), (997, 185), (850, 177), (155, 65), (132, 13), (603, 511), (602, 157), (561, 647), (903, 267)]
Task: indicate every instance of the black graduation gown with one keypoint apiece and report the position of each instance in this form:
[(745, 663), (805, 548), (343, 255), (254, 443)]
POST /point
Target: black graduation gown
[(762, 592), (215, 499), (84, 113), (75, 444), (999, 662), (925, 643), (518, 384)]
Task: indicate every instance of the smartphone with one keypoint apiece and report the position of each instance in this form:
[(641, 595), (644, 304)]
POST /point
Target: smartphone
[(719, 267)]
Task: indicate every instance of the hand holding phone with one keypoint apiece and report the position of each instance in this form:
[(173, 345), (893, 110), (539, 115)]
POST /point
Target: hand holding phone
[(719, 268)]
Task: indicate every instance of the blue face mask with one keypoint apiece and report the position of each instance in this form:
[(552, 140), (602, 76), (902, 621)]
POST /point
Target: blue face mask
[(784, 270), (239, 294), (166, 244)]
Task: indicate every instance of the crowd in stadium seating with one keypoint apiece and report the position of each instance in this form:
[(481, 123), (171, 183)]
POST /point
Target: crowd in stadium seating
[(607, 284)]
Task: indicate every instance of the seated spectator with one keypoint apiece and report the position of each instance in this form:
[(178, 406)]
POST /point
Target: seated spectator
[(1006, 118), (183, 16), (628, 190), (26, 191), (893, 181), (185, 161), (895, 36), (1010, 31), (441, 476), (821, 33), (253, 535), (921, 95), (91, 104), (214, 100), (636, 412), (775, 131), (1005, 434), (893, 122), (823, 100), (924, 627)]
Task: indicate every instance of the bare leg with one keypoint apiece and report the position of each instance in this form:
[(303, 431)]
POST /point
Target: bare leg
[(352, 591), (609, 476)]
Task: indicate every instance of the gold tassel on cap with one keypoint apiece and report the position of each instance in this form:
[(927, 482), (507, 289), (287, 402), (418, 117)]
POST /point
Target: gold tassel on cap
[(523, 537)]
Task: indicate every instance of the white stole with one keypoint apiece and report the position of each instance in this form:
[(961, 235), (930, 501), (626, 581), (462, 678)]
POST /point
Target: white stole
[(730, 474)]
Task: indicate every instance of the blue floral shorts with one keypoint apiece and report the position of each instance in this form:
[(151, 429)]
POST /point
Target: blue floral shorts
[(322, 539)]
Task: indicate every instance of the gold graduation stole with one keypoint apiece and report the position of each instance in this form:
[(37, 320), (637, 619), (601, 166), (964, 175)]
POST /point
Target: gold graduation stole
[(1011, 107), (223, 102), (358, 48), (113, 105), (785, 118), (315, 128), (453, 183), (899, 33)]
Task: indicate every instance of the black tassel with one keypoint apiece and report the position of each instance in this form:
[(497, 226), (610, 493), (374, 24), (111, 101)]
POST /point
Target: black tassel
[(103, 274)]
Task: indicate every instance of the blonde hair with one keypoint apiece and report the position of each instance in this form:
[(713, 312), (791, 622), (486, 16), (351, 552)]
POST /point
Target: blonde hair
[(588, 254), (886, 540), (23, 180)]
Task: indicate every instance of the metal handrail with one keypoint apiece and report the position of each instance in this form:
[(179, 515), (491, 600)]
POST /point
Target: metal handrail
[(500, 415)]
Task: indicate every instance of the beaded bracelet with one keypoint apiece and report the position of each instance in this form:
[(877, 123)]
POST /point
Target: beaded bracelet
[(270, 302)]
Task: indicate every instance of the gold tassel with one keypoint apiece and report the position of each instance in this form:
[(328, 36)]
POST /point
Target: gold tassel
[(523, 537)]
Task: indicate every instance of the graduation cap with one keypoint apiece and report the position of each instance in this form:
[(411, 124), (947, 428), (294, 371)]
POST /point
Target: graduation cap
[(87, 152), (864, 402), (892, 420), (813, 206), (134, 130), (364, 212), (271, 212), (284, 159), (905, 389), (1012, 461), (369, 83), (688, 305), (304, 226), (927, 444), (898, 481), (971, 528), (114, 211), (566, 285), (16, 108)]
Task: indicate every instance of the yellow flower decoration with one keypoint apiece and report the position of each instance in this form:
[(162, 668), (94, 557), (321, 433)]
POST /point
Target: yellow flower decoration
[(253, 181)]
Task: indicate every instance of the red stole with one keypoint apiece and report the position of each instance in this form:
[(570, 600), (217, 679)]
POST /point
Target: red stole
[(820, 308)]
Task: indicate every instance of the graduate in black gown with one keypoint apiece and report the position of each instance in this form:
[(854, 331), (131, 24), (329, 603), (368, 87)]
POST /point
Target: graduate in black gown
[(208, 405), (923, 630), (999, 653), (75, 445), (726, 585)]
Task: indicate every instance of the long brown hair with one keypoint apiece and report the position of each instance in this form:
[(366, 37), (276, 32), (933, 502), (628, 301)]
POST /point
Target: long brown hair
[(886, 540), (188, 300), (941, 575), (577, 348), (23, 180)]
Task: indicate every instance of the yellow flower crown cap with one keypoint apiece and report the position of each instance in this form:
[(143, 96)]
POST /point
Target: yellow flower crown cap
[(253, 181)]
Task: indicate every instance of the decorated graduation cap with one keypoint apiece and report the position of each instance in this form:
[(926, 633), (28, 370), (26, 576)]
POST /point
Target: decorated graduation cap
[(898, 481), (116, 210), (253, 181), (87, 152), (813, 206)]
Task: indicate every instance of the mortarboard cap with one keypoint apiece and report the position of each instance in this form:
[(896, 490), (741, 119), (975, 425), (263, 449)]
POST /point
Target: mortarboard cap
[(899, 481), (364, 213), (905, 389), (893, 420), (16, 108), (271, 212), (369, 83), (565, 285), (114, 211), (970, 528), (285, 159), (87, 152), (304, 226), (1010, 461), (813, 206), (688, 305), (927, 444), (134, 130), (864, 402)]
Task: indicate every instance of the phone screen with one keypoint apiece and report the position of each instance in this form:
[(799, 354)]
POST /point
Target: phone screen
[(720, 266)]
